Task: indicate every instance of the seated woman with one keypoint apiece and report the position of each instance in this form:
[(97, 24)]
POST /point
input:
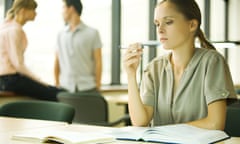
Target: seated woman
[(188, 85), (14, 75)]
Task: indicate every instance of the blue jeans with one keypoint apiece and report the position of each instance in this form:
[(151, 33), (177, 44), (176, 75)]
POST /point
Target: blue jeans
[(23, 85)]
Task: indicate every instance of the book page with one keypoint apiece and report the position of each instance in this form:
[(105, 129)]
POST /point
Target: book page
[(128, 133), (30, 137), (178, 133), (65, 137), (183, 133)]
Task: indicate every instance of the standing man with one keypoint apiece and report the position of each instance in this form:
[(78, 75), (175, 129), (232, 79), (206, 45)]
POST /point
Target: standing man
[(78, 63)]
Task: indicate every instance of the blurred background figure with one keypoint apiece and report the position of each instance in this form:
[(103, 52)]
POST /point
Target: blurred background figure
[(78, 63), (14, 75)]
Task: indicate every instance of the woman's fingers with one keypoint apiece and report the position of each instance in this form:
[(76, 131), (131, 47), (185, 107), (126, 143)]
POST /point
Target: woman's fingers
[(131, 62), (134, 48), (134, 51), (130, 55), (132, 58)]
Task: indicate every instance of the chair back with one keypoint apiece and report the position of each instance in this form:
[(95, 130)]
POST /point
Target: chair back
[(44, 110), (90, 108), (232, 125)]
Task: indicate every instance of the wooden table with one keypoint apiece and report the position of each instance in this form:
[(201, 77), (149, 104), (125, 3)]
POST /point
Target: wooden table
[(15, 124), (121, 99), (11, 126)]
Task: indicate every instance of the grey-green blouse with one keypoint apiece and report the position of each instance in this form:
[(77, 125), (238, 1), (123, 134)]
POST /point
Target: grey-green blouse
[(205, 80)]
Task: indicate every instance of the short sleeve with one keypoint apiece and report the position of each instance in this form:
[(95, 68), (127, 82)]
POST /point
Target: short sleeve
[(57, 44), (97, 43), (218, 80), (147, 88)]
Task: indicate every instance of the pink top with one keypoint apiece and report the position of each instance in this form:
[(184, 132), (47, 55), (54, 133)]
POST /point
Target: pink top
[(13, 43)]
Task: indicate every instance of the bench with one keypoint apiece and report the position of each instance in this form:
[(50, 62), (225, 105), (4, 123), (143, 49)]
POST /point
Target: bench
[(6, 93), (7, 96)]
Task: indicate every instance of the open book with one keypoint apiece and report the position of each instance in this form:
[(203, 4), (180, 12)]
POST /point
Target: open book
[(63, 137), (179, 133)]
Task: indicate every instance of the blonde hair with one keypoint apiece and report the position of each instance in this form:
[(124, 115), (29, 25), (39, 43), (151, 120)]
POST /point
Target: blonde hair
[(18, 5)]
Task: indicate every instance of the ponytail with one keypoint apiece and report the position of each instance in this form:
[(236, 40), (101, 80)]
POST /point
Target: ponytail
[(204, 43)]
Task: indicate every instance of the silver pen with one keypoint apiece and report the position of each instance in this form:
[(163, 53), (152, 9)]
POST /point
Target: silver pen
[(148, 44)]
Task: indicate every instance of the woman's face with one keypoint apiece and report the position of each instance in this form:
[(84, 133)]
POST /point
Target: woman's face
[(30, 14), (172, 27)]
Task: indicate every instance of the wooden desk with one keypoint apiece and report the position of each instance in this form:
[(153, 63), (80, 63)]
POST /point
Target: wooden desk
[(121, 99), (11, 126), (14, 124)]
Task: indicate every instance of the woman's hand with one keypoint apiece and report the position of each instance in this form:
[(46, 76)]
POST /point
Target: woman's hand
[(132, 58)]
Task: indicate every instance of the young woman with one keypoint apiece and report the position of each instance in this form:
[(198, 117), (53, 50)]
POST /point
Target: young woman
[(188, 85), (14, 75)]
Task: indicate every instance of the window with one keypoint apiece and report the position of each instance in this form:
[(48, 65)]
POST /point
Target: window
[(234, 35), (42, 35), (134, 26), (1, 10), (97, 13), (218, 32), (43, 31)]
